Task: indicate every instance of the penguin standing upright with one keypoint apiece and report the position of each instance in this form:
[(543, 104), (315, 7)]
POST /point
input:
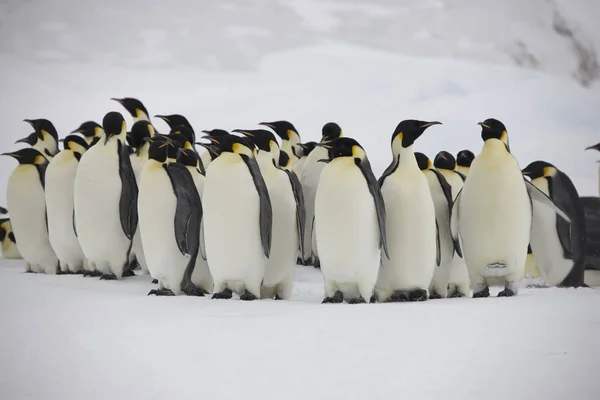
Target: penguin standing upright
[(135, 108), (464, 158), (290, 139), (287, 203), (350, 223), (175, 120), (559, 248), (105, 194), (441, 194), (237, 213), (91, 131), (411, 224), (8, 242), (309, 178), (27, 205), (445, 163), (492, 215), (60, 180), (44, 139)]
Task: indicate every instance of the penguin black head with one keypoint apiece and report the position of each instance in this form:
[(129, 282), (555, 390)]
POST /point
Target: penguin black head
[(76, 144), (187, 133), (284, 160), (133, 107), (444, 160), (28, 155), (284, 129), (423, 161), (539, 169), (3, 210), (263, 139), (233, 144), (187, 157), (410, 130), (344, 147), (30, 139), (594, 147), (493, 129), (162, 149), (330, 131), (90, 129), (307, 148), (141, 131), (216, 132), (212, 148), (113, 124), (43, 127), (175, 120), (464, 158)]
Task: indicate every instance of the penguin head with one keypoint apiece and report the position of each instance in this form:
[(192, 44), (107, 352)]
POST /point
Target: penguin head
[(163, 148), (284, 160), (493, 129), (3, 210), (182, 131), (189, 158), (307, 148), (91, 130), (330, 131), (344, 147), (216, 132), (423, 161), (233, 144), (213, 149), (113, 124), (284, 129), (141, 131), (444, 160), (76, 144), (44, 128), (464, 158), (262, 139), (410, 130), (28, 155), (134, 107), (539, 169), (174, 120), (30, 139)]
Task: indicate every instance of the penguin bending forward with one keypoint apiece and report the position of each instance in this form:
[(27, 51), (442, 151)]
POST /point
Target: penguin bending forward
[(350, 224)]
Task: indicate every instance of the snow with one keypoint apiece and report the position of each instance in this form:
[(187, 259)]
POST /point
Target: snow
[(365, 65)]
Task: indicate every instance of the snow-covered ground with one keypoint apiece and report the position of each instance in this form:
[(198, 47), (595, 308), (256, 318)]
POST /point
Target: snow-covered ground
[(365, 64)]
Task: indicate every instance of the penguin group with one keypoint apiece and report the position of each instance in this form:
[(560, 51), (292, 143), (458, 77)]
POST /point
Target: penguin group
[(237, 217)]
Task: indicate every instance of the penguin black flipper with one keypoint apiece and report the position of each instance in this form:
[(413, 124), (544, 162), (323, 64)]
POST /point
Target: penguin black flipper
[(438, 251), (300, 207), (129, 193), (41, 168), (374, 187), (389, 170), (463, 177), (538, 196), (266, 212), (454, 225), (447, 190), (74, 227)]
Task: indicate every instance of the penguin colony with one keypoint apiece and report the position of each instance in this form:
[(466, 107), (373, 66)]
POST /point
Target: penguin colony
[(238, 218)]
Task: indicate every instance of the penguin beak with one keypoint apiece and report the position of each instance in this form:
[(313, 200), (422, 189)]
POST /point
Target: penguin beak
[(324, 145), (594, 147), (268, 124), (483, 125), (428, 124), (243, 132), (30, 122), (212, 139), (324, 160), (24, 140), (13, 155), (164, 118), (117, 100)]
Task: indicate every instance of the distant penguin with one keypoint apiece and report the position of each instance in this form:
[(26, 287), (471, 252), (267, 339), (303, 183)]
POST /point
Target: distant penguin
[(350, 224), (464, 158), (91, 131), (27, 205), (170, 213), (135, 108), (309, 178), (105, 194), (492, 215), (8, 242), (60, 181), (306, 149), (175, 120), (596, 147), (206, 157), (445, 163), (290, 139), (411, 223), (287, 203), (187, 133), (237, 220), (441, 193), (44, 139), (559, 247)]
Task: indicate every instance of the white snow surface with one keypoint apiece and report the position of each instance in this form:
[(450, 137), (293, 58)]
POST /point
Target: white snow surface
[(69, 337)]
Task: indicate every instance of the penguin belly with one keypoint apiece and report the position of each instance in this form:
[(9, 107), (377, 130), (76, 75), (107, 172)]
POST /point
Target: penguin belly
[(27, 205), (60, 182), (591, 278), (10, 251), (156, 210), (411, 234), (311, 174), (201, 277), (231, 226), (552, 267), (347, 232), (97, 217), (494, 220), (137, 163), (279, 274), (205, 159)]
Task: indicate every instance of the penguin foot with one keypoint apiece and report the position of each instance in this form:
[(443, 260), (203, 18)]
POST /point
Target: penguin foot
[(300, 261), (455, 295), (128, 272), (92, 273), (29, 272), (373, 299), (397, 297), (338, 297), (161, 292), (506, 293), (483, 293), (80, 272), (247, 296), (225, 294), (434, 296), (193, 290), (61, 272), (418, 295), (317, 263), (277, 297), (134, 264), (357, 300), (155, 281), (108, 277)]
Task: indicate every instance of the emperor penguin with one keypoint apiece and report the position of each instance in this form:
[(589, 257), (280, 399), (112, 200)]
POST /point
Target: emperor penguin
[(412, 229), (290, 138), (44, 139), (135, 108), (237, 212), (464, 158), (8, 242), (175, 120), (350, 223), (445, 163), (91, 131), (60, 181), (207, 157), (306, 149), (170, 212), (105, 195), (596, 147), (492, 215), (441, 194), (559, 248), (287, 204), (27, 205), (309, 178)]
